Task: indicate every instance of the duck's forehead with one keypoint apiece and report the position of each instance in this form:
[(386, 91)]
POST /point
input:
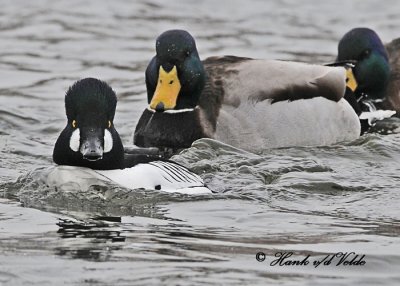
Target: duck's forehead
[(369, 40), (173, 42), (354, 44), (86, 108), (170, 48), (91, 111), (90, 104), (358, 39)]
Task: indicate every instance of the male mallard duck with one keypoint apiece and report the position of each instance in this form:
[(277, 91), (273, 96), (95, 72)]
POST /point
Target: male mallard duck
[(250, 104), (377, 69)]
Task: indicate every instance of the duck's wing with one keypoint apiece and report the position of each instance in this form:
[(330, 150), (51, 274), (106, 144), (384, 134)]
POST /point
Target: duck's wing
[(244, 79)]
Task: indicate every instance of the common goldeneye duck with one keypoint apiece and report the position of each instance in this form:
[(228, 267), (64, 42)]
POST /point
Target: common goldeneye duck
[(250, 104), (376, 70), (90, 140)]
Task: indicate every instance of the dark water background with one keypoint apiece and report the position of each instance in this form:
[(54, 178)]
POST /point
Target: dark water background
[(312, 201)]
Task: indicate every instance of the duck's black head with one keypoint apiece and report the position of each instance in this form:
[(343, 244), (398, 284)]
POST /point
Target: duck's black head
[(90, 139), (175, 76), (372, 69)]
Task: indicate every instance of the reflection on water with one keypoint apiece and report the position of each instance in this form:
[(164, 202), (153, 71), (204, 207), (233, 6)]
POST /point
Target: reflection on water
[(73, 229), (312, 201)]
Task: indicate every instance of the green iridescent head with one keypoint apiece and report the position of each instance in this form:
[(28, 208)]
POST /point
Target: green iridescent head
[(372, 69)]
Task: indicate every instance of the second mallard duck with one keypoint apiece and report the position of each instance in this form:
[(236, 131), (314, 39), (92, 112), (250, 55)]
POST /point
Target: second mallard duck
[(377, 68), (250, 104)]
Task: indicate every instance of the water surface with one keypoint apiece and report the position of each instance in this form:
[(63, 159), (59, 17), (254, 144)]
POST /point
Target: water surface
[(311, 201)]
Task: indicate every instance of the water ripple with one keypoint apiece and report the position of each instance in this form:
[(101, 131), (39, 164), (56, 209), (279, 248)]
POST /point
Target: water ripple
[(314, 201)]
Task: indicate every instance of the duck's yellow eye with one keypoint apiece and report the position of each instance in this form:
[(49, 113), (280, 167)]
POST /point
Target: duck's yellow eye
[(109, 123), (74, 123)]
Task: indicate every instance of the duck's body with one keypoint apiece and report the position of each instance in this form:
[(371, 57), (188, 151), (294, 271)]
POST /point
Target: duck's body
[(155, 175), (89, 148), (377, 68), (293, 104), (393, 88), (250, 104)]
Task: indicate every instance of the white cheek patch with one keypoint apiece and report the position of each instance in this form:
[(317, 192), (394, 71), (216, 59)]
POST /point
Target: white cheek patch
[(74, 141), (108, 141)]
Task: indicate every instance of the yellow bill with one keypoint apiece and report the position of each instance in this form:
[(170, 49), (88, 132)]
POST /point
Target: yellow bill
[(351, 80), (167, 89)]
